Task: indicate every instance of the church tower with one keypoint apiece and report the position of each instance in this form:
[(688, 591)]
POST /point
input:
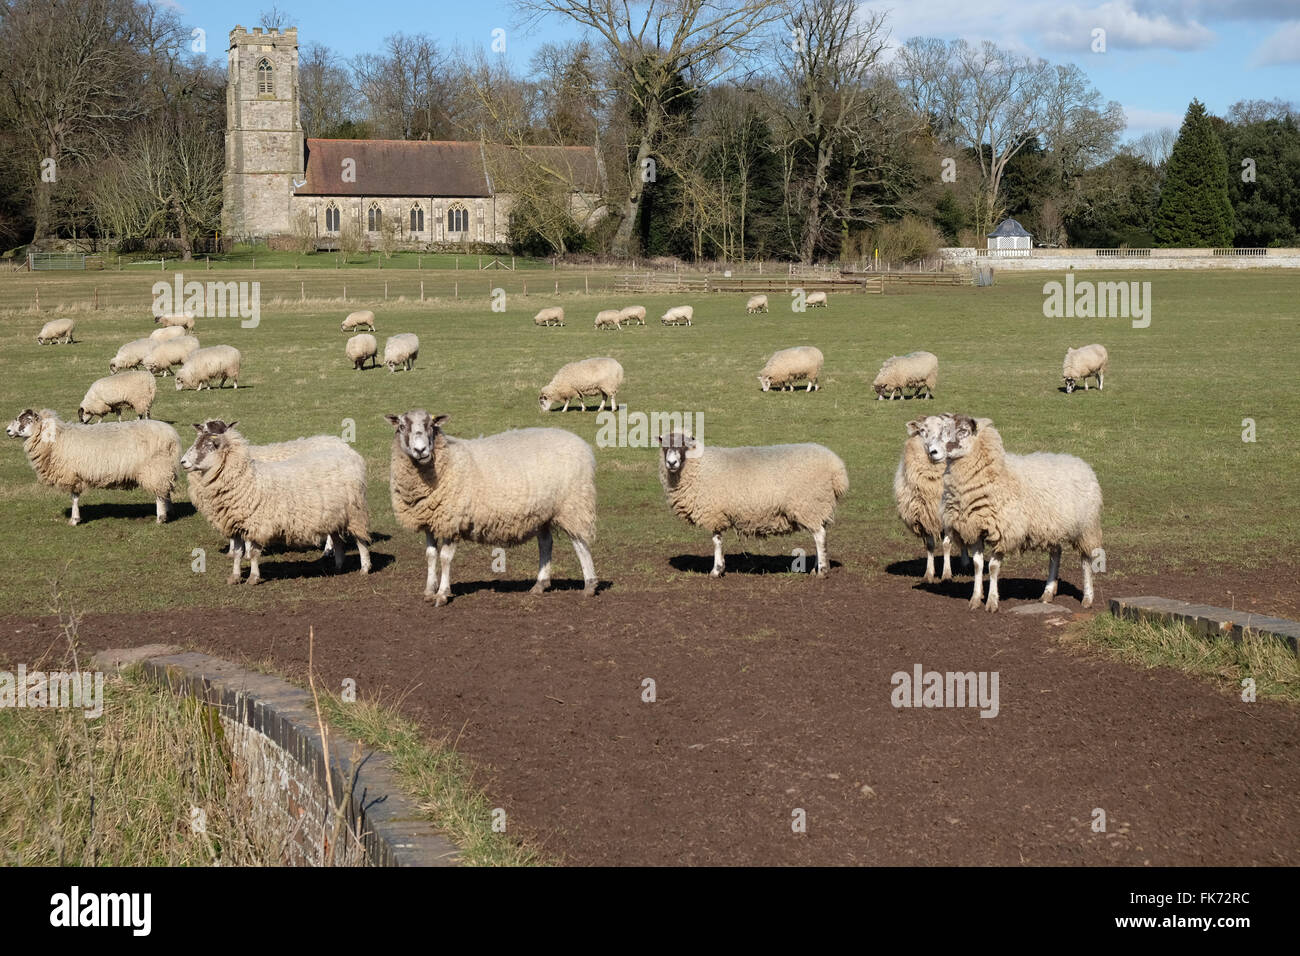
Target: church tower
[(264, 141)]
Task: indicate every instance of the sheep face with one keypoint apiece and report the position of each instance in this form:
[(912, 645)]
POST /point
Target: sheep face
[(24, 426), (1069, 386), (82, 416), (206, 450), (934, 432), (676, 448), (417, 431), (544, 402), (765, 382), (959, 433)]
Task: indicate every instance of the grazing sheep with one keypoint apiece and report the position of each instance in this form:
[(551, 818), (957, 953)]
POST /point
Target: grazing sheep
[(608, 319), (788, 366), (552, 316), (593, 376), (632, 313), (402, 349), (131, 354), (167, 332), (678, 315), (320, 493), (918, 493), (362, 347), (166, 355), (355, 320), (1081, 364), (916, 370), (180, 319), (501, 490), (815, 300), (761, 491), (756, 303), (73, 457), (56, 330), (207, 366), (134, 390), (1007, 503)]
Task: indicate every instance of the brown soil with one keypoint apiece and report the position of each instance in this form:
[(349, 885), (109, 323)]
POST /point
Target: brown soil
[(774, 694)]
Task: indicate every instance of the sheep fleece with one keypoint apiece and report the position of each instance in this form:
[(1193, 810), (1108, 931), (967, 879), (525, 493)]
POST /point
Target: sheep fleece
[(73, 457)]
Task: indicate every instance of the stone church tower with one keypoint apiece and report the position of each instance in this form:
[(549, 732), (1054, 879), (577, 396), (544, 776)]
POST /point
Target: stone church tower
[(264, 140)]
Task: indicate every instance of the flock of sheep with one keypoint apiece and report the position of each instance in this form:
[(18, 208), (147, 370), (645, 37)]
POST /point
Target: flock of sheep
[(955, 483)]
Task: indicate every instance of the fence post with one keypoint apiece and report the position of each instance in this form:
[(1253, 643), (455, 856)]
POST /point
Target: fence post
[(385, 290), (585, 286), (96, 297), (455, 290), (302, 292), (162, 262), (557, 286), (525, 287), (38, 298), (421, 290), (345, 292)]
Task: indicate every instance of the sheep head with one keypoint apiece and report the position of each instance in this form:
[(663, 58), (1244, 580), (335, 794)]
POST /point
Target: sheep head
[(676, 448), (960, 432), (208, 446), (417, 433), (24, 426), (931, 431)]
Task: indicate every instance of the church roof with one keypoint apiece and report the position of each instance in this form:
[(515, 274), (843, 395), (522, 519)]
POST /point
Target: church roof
[(1008, 227), (391, 167)]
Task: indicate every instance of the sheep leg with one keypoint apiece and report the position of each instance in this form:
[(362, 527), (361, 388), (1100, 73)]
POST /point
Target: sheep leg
[(337, 542), (810, 386), (566, 406), (589, 580), (446, 552), (1053, 569), (543, 561), (234, 546), (602, 403), (719, 562), (995, 565), (254, 554), (823, 563), (613, 401), (363, 549), (236, 552), (75, 517), (1087, 581), (929, 559), (162, 505), (977, 594), (431, 558)]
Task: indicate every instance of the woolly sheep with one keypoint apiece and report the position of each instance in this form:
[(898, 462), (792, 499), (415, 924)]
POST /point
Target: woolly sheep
[(207, 365), (1007, 503), (362, 347), (632, 313), (815, 300), (788, 366), (182, 320), (756, 303), (318, 494), (165, 355), (608, 319), (73, 457), (402, 349), (167, 332), (593, 376), (918, 493), (501, 490), (916, 370), (135, 390), (356, 320), (764, 490), (678, 315), (1081, 364), (552, 316), (56, 330), (131, 354)]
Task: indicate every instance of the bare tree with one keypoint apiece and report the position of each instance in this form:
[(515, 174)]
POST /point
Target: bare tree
[(1154, 146), (403, 87), (324, 91), (274, 18)]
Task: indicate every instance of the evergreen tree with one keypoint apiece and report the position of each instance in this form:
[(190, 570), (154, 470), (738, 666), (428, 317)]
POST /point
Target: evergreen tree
[(1194, 207)]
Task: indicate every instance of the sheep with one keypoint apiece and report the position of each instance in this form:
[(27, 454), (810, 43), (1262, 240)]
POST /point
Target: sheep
[(356, 320), (205, 366), (402, 349), (362, 347), (815, 300), (756, 303), (167, 332), (169, 353), (501, 490), (552, 316), (632, 313), (678, 315), (180, 319), (764, 490), (602, 376), (1081, 364), (916, 370), (135, 390), (131, 354), (73, 457), (320, 493), (918, 493), (56, 330), (788, 366), (1007, 503), (608, 319)]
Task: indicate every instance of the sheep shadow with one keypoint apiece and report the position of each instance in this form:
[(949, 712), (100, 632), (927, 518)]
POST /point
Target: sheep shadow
[(279, 565), (1009, 588), (505, 585), (135, 510), (746, 563)]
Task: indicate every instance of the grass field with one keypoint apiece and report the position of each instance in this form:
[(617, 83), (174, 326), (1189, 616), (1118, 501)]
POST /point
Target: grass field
[(1181, 486)]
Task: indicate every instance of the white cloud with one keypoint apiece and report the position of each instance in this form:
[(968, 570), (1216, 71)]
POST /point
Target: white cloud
[(1282, 47), (1142, 120), (1069, 27)]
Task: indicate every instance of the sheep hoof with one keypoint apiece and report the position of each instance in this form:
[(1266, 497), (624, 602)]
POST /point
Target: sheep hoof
[(928, 578), (716, 573), (946, 576), (822, 572), (234, 579), (974, 604), (1087, 600), (541, 587), (991, 606), (439, 600), (589, 588), (253, 581)]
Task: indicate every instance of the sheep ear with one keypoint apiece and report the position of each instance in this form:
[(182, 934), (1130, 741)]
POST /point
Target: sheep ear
[(914, 428), (230, 425), (393, 420), (197, 426), (441, 420), (688, 442), (983, 423)]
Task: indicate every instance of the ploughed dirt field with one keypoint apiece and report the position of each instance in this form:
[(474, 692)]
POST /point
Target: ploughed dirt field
[(774, 694)]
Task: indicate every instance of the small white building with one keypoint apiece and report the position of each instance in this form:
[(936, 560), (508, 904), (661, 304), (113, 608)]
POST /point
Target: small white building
[(1009, 239)]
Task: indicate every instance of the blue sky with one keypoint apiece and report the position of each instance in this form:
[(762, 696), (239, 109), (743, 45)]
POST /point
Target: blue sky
[(1159, 53)]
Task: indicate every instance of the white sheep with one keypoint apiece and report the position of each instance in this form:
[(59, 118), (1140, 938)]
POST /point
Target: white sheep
[(355, 320), (608, 319), (1083, 363), (815, 300), (632, 313), (916, 370), (1007, 503), (56, 330), (167, 332), (678, 315), (131, 354), (918, 493), (207, 366), (318, 494), (756, 303), (501, 490), (593, 376), (362, 347), (180, 319), (166, 355), (135, 390), (551, 316), (402, 349), (788, 366), (73, 457), (761, 491)]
